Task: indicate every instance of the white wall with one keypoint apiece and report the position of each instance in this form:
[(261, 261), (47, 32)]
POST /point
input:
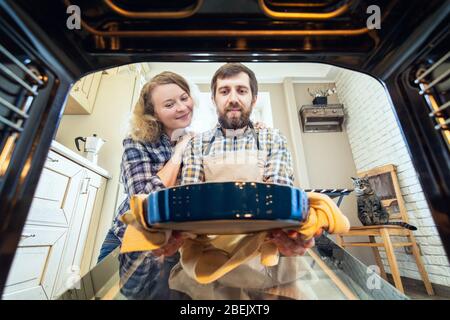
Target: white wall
[(375, 139)]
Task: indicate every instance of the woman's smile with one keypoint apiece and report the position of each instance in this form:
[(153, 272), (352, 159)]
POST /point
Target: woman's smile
[(185, 116)]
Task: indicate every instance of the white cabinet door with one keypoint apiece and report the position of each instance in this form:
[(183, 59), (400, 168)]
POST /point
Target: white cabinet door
[(76, 240), (36, 262), (81, 98), (90, 216), (57, 191), (90, 254)]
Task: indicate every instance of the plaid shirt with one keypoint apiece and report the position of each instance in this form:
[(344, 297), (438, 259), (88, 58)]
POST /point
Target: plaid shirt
[(278, 161), (140, 271), (140, 165)]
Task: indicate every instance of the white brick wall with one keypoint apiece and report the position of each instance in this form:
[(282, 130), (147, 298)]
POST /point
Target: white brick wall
[(375, 139)]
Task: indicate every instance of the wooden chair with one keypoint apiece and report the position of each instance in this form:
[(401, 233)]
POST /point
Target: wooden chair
[(385, 184)]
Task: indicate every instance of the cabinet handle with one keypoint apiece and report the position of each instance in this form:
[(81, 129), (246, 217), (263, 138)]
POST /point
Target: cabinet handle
[(27, 235), (51, 159), (85, 186)]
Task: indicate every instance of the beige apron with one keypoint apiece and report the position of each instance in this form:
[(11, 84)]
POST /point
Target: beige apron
[(246, 166), (234, 165)]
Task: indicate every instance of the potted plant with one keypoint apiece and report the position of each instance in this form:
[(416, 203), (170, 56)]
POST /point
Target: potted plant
[(321, 95)]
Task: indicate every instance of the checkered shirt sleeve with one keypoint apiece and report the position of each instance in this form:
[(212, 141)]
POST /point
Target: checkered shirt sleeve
[(192, 171), (278, 168)]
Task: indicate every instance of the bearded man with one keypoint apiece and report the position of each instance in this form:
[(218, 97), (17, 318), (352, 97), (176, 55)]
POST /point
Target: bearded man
[(234, 150)]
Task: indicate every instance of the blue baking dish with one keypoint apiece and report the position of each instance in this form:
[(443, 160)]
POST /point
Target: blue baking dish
[(226, 207)]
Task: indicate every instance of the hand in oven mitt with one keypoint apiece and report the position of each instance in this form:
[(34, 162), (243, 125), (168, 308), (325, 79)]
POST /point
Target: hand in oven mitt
[(207, 258)]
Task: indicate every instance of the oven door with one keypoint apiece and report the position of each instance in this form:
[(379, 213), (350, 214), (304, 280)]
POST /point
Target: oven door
[(45, 60)]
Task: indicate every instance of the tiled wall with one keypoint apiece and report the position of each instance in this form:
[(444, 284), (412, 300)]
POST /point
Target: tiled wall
[(375, 140)]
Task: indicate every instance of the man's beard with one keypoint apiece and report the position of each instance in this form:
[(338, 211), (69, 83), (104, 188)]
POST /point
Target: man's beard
[(235, 122)]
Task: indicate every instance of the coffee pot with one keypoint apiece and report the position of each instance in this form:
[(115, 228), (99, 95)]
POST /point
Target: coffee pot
[(92, 146)]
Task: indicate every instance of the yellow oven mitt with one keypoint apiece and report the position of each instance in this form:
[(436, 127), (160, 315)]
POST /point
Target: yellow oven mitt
[(207, 261), (138, 237), (207, 258), (324, 214)]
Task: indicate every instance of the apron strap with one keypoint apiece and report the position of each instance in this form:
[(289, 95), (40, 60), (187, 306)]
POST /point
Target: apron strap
[(255, 135), (208, 148)]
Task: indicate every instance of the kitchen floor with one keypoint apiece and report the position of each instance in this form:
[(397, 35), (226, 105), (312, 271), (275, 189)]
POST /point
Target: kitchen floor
[(417, 294), (415, 290)]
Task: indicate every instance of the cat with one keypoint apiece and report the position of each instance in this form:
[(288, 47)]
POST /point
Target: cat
[(370, 210)]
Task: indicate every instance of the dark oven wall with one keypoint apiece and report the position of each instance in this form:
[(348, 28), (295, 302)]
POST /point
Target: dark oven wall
[(420, 92)]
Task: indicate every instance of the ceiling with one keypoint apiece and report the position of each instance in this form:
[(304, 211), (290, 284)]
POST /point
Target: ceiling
[(265, 72)]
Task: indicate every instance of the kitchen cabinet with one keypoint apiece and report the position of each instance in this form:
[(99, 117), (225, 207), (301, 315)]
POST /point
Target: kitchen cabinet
[(90, 255), (33, 272), (56, 240), (82, 96), (71, 262), (56, 193)]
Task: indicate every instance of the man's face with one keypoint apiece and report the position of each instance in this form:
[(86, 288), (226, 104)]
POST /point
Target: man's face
[(234, 101)]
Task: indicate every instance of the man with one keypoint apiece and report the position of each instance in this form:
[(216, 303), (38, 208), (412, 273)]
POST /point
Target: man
[(234, 150)]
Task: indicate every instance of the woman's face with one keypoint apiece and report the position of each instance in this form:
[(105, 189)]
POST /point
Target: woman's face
[(173, 106)]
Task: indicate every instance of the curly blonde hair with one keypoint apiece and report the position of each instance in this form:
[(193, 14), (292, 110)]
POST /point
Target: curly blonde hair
[(144, 125)]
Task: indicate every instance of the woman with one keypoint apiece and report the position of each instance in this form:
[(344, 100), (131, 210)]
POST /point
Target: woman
[(151, 161)]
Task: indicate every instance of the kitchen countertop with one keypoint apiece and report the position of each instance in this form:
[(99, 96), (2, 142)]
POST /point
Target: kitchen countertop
[(66, 152)]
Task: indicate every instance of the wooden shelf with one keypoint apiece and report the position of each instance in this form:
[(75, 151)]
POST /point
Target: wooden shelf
[(322, 118)]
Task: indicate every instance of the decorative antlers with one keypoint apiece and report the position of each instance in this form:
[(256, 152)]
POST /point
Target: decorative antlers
[(322, 92)]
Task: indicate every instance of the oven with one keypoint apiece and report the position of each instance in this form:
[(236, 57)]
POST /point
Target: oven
[(47, 45)]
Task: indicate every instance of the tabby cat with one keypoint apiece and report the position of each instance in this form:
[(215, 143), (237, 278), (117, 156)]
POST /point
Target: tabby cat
[(370, 210)]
